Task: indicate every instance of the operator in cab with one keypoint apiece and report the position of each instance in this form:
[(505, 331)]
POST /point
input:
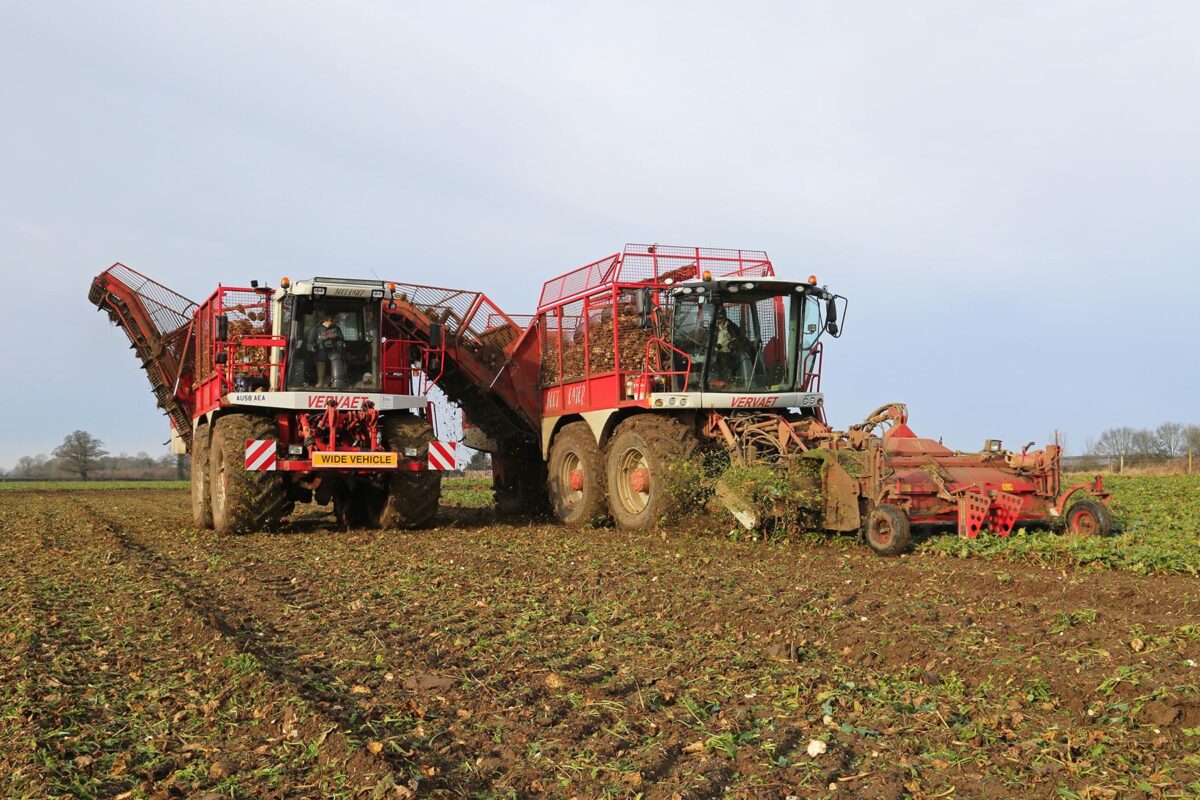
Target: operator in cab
[(729, 345), (326, 344)]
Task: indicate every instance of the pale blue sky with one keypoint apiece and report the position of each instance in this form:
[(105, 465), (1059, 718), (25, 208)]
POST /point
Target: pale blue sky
[(1007, 193)]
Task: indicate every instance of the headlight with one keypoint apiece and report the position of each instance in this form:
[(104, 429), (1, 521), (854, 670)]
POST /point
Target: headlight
[(319, 290), (377, 294)]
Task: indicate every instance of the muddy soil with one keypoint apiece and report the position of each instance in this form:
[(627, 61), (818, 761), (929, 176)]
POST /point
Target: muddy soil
[(142, 658)]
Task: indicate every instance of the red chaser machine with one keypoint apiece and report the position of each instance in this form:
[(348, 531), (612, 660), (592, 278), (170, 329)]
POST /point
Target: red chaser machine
[(303, 393)]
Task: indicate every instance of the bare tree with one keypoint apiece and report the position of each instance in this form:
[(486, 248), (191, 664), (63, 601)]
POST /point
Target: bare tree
[(1172, 437), (1146, 445), (79, 452), (1113, 443), (1193, 438)]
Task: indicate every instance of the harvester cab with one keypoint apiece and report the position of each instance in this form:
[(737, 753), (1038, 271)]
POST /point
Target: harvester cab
[(334, 330), (749, 343)]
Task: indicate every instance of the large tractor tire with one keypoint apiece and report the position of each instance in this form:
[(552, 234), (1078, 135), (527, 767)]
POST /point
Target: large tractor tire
[(887, 531), (576, 476), (201, 495), (1089, 517), (640, 457), (242, 500), (412, 497)]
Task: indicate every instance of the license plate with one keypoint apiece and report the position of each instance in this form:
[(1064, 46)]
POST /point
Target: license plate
[(336, 460)]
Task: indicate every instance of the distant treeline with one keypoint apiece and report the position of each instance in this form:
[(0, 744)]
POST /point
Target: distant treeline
[(106, 468), (1168, 444)]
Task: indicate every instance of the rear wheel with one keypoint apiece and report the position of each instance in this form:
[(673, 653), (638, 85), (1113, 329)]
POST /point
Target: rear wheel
[(201, 499), (1089, 517), (640, 458), (576, 476), (412, 497), (242, 500), (887, 531)]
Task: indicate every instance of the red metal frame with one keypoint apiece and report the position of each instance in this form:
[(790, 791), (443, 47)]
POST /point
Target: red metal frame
[(589, 296)]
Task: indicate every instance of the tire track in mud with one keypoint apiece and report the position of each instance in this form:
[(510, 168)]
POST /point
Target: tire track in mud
[(58, 665), (566, 727), (24, 688), (584, 725), (308, 679)]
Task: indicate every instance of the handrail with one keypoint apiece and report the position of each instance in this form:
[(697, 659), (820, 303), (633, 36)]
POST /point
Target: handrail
[(656, 341)]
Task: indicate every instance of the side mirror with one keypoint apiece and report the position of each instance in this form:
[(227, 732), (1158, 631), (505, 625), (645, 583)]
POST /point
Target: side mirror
[(831, 324), (222, 328), (437, 336)]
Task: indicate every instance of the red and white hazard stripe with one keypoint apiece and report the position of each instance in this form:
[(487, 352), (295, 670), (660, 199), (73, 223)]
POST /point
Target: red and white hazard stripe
[(260, 455), (443, 455)]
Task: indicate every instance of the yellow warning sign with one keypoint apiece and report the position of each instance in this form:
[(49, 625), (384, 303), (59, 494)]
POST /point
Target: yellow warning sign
[(355, 460)]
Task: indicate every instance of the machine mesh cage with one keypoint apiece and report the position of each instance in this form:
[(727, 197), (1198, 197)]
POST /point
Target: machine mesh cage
[(168, 310), (590, 320), (563, 344), (593, 329), (642, 263), (249, 314), (470, 319)]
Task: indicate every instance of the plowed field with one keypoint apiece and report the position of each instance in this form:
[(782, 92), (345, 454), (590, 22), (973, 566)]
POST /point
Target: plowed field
[(141, 658)]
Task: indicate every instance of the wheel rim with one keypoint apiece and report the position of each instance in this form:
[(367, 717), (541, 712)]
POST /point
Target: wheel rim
[(1084, 523), (882, 531), (570, 475), (218, 487), (633, 488)]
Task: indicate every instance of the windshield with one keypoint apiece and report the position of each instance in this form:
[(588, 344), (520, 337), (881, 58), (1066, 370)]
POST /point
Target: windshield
[(333, 344), (744, 341)]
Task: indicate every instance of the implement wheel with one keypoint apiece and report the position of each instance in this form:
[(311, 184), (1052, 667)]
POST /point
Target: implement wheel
[(201, 496), (887, 531), (576, 476), (1089, 517), (412, 497), (242, 500), (640, 456)]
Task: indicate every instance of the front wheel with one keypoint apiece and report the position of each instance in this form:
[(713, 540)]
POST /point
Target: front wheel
[(576, 476), (242, 500), (412, 497), (1089, 517), (887, 531)]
